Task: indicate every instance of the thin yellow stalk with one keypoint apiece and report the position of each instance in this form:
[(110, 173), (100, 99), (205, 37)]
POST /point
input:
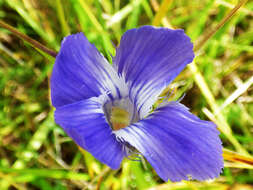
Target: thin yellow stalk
[(160, 14), (237, 158)]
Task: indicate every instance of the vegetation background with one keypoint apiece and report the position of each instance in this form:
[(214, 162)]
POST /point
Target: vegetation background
[(35, 153)]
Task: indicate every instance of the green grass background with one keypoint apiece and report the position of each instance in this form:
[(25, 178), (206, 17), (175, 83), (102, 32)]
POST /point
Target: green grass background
[(35, 153)]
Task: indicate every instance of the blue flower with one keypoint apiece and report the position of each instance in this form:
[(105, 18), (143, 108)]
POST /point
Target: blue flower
[(106, 109)]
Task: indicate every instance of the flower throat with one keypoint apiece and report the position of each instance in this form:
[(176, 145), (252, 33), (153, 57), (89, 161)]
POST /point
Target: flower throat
[(119, 118)]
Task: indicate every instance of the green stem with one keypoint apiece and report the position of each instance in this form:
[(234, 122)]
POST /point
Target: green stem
[(61, 16), (29, 40)]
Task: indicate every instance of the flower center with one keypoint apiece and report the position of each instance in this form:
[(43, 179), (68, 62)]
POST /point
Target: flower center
[(119, 118), (120, 113)]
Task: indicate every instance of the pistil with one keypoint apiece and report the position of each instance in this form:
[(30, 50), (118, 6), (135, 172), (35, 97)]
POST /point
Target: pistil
[(119, 118)]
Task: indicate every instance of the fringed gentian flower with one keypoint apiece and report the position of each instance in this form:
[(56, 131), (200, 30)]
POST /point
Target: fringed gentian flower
[(107, 109)]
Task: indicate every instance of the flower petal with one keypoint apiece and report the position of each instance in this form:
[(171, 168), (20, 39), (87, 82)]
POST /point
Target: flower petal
[(85, 123), (148, 59), (177, 144), (81, 72)]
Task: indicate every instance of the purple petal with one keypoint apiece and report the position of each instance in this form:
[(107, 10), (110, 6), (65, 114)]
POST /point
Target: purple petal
[(85, 123), (149, 58), (81, 72), (177, 144)]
